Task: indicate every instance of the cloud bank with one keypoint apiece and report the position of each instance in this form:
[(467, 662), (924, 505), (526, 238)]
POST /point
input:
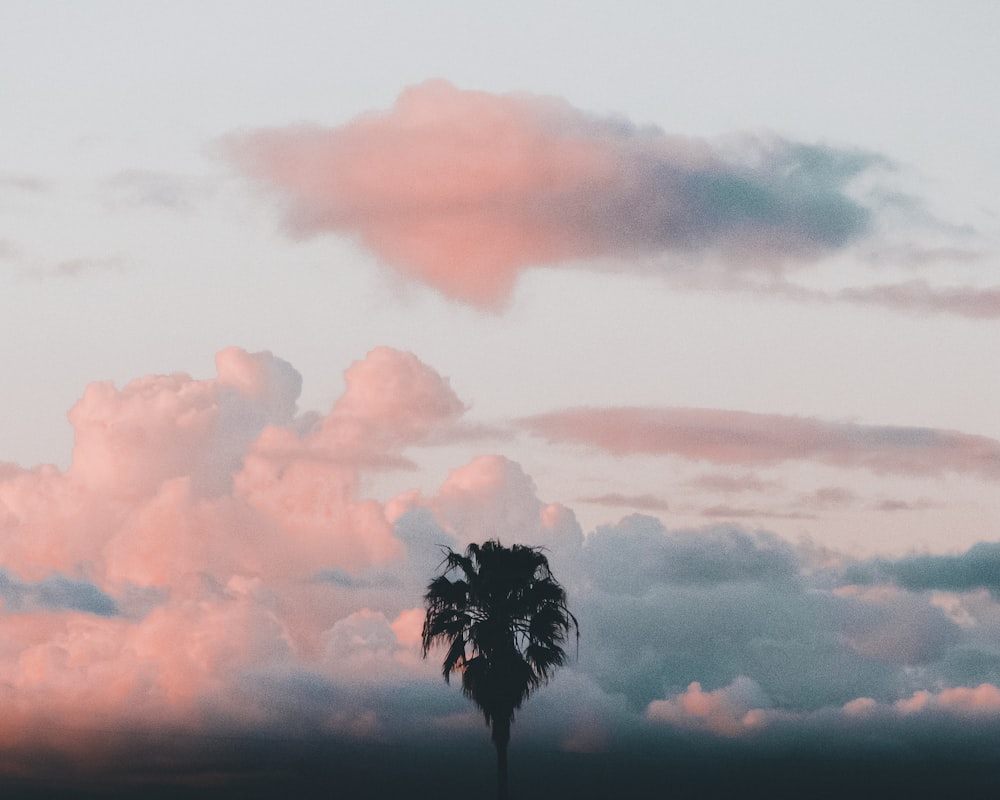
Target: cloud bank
[(209, 569), (463, 190)]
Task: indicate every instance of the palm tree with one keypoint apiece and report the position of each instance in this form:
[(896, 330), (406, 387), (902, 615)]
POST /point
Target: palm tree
[(504, 620)]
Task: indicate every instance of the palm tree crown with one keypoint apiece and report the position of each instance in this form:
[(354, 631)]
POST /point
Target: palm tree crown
[(504, 620)]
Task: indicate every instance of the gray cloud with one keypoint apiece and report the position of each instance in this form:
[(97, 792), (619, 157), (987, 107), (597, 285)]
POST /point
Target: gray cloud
[(661, 609), (976, 568), (54, 593)]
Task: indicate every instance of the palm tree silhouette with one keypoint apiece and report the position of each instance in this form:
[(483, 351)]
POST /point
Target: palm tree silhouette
[(504, 620)]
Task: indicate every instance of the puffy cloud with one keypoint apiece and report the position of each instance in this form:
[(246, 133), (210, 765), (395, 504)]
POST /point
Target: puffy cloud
[(728, 711), (751, 439), (392, 399), (366, 646), (182, 546), (639, 552), (492, 497), (887, 625), (982, 700), (129, 441), (464, 189)]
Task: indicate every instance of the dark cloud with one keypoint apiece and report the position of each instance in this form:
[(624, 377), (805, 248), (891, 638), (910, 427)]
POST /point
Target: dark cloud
[(976, 568), (638, 552), (711, 605)]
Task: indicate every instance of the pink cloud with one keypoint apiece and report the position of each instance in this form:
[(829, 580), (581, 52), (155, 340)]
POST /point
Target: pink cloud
[(462, 190), (980, 700), (192, 522), (750, 439), (730, 711), (391, 399), (128, 441), (492, 497)]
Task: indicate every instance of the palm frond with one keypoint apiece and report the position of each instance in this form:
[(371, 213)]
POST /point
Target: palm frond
[(503, 619)]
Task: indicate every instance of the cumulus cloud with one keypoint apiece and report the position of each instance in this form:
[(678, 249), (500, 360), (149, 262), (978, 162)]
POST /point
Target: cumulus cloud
[(749, 439), (131, 440), (392, 399), (982, 700), (728, 711), (190, 534), (462, 190)]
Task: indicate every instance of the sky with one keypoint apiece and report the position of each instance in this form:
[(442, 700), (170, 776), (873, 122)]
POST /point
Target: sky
[(702, 298)]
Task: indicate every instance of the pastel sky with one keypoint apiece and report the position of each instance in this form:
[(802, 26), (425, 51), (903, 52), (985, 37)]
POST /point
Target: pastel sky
[(703, 298)]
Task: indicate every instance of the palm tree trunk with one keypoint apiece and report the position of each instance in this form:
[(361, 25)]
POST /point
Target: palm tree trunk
[(501, 736), (502, 771)]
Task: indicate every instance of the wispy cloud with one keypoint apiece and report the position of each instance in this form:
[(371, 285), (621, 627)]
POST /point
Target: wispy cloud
[(22, 182), (71, 268), (750, 439), (637, 502), (727, 483), (156, 190), (8, 250), (919, 296), (739, 513)]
